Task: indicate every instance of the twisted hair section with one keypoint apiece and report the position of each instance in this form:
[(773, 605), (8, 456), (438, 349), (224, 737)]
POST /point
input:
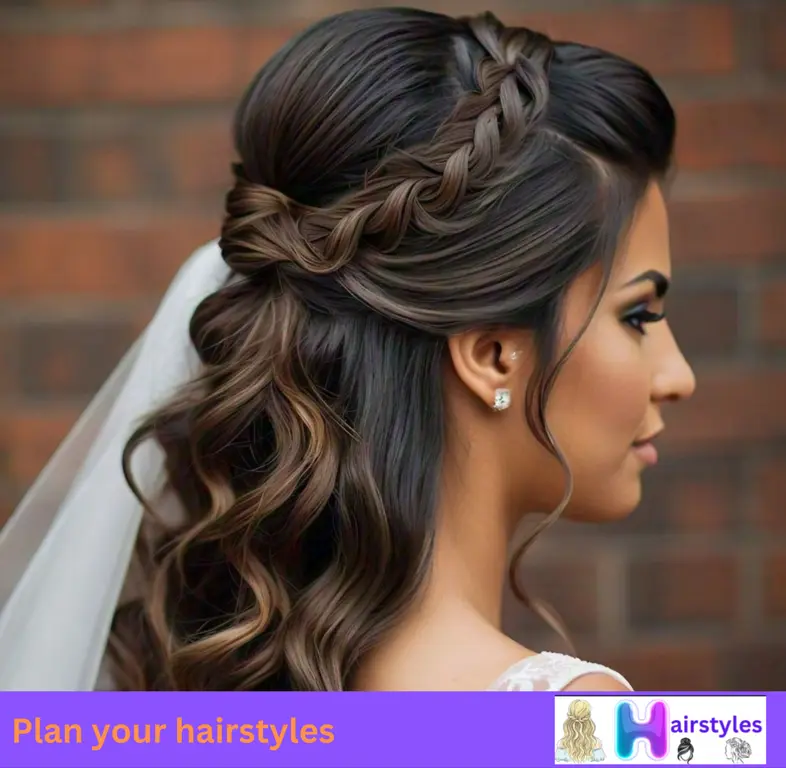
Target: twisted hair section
[(413, 191), (403, 177)]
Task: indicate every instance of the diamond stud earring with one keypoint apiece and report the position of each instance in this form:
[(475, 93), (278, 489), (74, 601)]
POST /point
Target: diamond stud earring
[(501, 399)]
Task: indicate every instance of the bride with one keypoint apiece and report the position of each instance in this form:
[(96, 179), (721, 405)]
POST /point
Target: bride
[(435, 309)]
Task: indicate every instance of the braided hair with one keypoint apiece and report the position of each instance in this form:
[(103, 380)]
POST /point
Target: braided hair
[(402, 176)]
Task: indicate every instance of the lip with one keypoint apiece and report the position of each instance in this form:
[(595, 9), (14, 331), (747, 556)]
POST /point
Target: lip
[(646, 450), (649, 439)]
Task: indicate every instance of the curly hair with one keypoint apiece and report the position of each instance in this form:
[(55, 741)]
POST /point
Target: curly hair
[(740, 749), (579, 732), (403, 176)]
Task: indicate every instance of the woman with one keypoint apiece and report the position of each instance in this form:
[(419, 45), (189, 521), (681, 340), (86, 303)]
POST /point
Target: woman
[(447, 253), (579, 743), (685, 750), (737, 750)]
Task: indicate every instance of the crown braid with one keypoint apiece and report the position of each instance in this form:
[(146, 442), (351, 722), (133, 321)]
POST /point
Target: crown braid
[(415, 190)]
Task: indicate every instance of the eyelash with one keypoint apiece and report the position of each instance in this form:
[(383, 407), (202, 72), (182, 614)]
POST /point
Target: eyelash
[(640, 317)]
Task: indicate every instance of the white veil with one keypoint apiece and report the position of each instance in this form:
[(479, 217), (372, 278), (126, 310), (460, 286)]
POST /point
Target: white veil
[(65, 551)]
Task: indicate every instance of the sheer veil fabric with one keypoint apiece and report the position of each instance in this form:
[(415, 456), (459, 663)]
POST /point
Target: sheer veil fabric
[(65, 552)]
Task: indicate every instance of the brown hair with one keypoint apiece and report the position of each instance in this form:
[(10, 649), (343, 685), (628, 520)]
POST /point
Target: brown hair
[(404, 176)]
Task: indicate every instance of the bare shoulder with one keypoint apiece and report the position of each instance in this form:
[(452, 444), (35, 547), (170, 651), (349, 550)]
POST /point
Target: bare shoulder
[(596, 681)]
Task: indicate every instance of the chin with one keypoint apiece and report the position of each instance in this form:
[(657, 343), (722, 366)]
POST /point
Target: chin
[(620, 502)]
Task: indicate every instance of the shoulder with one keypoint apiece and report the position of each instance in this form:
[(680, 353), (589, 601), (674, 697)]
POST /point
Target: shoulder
[(597, 681), (558, 672)]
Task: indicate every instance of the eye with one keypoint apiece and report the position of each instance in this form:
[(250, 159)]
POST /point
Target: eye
[(639, 316)]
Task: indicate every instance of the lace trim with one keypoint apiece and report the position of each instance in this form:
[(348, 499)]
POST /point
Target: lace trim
[(549, 671)]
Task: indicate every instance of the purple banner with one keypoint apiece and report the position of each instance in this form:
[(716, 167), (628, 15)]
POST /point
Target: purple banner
[(384, 729)]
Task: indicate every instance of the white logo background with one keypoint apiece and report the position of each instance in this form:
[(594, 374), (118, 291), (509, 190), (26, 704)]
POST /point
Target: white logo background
[(709, 748)]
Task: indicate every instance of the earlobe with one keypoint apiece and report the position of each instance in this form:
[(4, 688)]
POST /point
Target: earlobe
[(489, 364)]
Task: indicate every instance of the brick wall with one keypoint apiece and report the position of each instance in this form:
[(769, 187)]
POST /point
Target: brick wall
[(114, 151)]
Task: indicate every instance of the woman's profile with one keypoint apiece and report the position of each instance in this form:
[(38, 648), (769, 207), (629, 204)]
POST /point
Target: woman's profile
[(737, 749), (578, 743), (685, 750), (436, 310)]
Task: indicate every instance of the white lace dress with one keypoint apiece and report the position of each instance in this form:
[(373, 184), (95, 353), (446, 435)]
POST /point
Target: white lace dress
[(549, 671)]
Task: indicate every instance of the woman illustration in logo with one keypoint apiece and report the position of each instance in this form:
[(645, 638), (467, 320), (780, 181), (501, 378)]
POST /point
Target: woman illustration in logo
[(685, 750), (578, 744), (737, 749)]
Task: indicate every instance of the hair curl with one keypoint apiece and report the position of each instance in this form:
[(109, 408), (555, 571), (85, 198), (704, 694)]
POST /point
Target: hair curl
[(741, 749), (403, 176), (579, 732)]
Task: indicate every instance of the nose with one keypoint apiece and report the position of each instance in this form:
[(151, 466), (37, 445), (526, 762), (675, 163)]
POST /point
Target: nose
[(673, 378)]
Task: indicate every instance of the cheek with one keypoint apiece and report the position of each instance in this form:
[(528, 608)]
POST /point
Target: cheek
[(597, 409), (601, 397)]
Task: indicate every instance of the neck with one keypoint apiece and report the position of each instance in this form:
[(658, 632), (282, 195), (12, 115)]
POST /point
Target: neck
[(460, 607), (471, 549)]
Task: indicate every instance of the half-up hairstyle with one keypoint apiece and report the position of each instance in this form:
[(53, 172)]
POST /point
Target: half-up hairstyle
[(403, 177)]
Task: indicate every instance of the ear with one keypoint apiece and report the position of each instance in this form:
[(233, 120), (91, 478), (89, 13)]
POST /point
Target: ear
[(487, 361)]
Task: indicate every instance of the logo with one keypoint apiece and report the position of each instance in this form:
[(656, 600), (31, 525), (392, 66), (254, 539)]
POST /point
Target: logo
[(652, 729)]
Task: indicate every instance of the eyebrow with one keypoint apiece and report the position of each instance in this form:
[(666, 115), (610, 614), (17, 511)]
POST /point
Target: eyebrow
[(652, 275)]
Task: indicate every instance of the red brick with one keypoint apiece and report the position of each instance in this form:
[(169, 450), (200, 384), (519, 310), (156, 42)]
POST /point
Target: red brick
[(768, 493), (30, 436), (8, 502), (755, 666), (704, 319), (693, 38), (109, 169), (774, 35), (8, 369), (29, 169), (686, 495), (730, 407), (703, 504), (666, 666), (159, 65), (199, 155), (65, 5), (772, 312), (133, 65), (128, 255), (70, 358), (681, 589), (48, 69), (747, 228), (775, 586), (741, 134)]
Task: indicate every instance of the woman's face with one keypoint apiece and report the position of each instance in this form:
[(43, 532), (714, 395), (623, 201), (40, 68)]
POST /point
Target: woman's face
[(607, 401)]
